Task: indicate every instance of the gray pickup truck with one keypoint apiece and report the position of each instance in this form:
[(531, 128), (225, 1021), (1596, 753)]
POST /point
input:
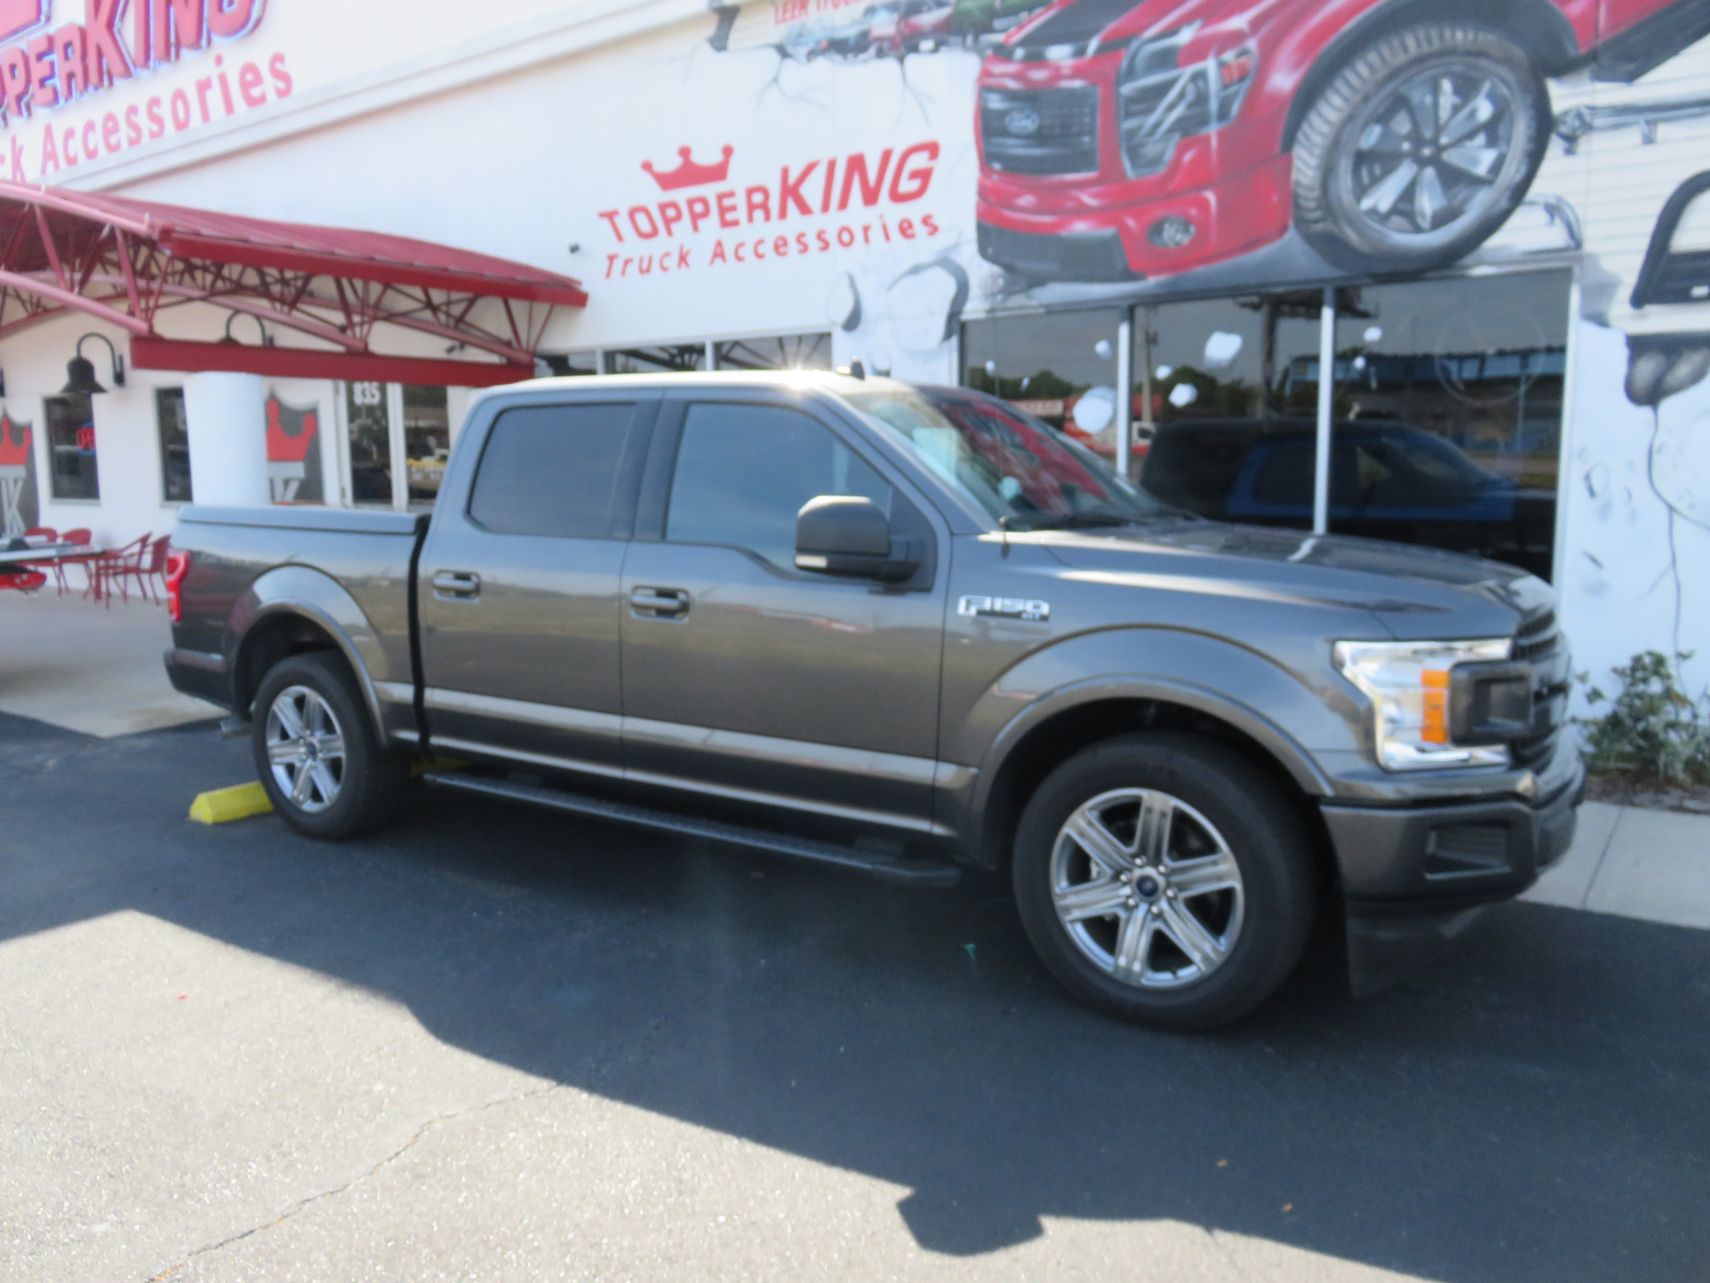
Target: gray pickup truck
[(903, 631)]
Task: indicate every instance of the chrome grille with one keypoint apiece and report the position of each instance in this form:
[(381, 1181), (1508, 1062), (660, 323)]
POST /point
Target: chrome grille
[(1040, 131), (1537, 638), (1539, 643)]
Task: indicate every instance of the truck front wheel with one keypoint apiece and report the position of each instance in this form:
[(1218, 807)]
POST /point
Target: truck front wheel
[(1165, 879), (317, 752), (1419, 149)]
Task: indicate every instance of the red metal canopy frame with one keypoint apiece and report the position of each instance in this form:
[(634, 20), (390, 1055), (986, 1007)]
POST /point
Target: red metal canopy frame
[(125, 262)]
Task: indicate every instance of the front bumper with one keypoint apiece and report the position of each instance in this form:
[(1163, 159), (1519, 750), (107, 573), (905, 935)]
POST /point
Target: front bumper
[(1097, 231), (1414, 877)]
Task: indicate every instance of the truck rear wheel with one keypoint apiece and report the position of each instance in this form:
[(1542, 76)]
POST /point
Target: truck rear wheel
[(1164, 879), (317, 752)]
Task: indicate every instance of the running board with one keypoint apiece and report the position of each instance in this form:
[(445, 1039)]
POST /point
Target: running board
[(921, 873)]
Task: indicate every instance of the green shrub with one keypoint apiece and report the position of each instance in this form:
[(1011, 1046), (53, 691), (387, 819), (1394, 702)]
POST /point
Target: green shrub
[(1653, 728)]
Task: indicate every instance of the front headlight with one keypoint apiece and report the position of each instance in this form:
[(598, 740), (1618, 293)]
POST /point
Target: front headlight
[(1409, 686), (1160, 101)]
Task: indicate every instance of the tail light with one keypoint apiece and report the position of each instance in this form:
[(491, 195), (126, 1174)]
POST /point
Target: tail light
[(177, 567)]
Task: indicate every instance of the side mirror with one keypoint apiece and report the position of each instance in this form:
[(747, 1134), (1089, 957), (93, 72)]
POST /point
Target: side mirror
[(847, 536)]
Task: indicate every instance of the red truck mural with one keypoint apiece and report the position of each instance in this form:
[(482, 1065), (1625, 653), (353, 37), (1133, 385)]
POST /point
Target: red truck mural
[(1122, 140)]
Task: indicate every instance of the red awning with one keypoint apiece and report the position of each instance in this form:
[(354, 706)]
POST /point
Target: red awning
[(126, 261)]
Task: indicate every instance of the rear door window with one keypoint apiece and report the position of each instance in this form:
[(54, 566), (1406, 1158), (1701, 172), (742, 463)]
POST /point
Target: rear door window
[(553, 470)]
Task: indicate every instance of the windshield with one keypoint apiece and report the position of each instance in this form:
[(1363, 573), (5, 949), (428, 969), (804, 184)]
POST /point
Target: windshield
[(1009, 464)]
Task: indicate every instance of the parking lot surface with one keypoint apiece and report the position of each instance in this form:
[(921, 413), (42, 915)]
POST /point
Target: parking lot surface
[(490, 1043)]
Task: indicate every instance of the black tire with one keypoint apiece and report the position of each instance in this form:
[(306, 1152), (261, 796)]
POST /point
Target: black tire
[(1328, 177), (1263, 833), (369, 780)]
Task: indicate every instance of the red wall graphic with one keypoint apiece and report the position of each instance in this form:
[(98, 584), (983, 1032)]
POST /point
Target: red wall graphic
[(18, 504), (293, 456)]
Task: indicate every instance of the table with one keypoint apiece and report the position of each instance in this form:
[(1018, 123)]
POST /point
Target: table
[(46, 552)]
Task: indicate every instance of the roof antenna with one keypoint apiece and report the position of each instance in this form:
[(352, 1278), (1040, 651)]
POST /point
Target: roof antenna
[(857, 370), (1003, 528)]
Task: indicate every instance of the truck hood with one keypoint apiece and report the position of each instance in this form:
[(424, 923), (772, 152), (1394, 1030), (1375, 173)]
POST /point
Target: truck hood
[(1416, 593), (1088, 23)]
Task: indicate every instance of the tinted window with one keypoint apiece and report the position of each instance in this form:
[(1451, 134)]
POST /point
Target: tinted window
[(552, 470), (744, 472), (174, 445), (1287, 476), (71, 443), (1195, 466)]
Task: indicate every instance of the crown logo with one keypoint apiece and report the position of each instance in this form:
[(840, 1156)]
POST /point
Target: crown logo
[(284, 446), (688, 173), (19, 16), (14, 443)]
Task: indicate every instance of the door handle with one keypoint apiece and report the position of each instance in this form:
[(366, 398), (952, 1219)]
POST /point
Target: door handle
[(456, 585), (662, 603)]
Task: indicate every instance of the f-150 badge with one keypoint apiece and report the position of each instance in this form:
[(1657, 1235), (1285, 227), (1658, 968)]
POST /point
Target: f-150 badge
[(1004, 608)]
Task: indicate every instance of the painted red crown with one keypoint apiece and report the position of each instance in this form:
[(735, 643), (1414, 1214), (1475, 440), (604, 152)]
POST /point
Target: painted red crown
[(282, 447), (14, 449), (19, 16), (688, 173)]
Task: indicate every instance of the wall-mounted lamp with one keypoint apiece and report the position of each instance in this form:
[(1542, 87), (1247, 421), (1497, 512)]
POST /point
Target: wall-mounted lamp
[(266, 338), (80, 370)]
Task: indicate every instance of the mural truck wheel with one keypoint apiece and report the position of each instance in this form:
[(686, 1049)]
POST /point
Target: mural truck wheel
[(1419, 148)]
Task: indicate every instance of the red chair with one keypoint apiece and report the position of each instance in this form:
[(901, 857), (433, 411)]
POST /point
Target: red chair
[(80, 538), (119, 566), (150, 567)]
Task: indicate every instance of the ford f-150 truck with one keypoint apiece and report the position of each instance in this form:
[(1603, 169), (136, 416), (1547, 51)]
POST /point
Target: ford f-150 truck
[(903, 630)]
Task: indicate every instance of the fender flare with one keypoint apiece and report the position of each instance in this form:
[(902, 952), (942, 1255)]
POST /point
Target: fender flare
[(1180, 688), (319, 598)]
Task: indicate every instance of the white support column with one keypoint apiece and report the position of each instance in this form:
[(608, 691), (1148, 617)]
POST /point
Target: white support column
[(1326, 412), (1125, 395), (226, 415)]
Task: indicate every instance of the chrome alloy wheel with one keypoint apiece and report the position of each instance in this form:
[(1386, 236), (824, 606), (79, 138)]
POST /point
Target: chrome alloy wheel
[(1432, 155), (1147, 889), (305, 749)]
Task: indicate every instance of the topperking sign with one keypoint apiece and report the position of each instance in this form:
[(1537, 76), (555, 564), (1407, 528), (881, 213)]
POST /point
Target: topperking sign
[(65, 64)]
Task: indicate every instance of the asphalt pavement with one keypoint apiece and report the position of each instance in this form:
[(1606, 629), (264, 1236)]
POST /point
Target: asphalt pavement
[(491, 1043)]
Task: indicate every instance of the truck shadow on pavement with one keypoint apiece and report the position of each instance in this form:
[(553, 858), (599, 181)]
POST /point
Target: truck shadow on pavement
[(1532, 1108)]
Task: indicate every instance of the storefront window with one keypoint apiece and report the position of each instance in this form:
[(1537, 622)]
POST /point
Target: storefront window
[(572, 364), (369, 443), (427, 442), (171, 427), (1449, 414), (677, 358), (1060, 368), (780, 352), (1225, 398), (71, 447), (1447, 411)]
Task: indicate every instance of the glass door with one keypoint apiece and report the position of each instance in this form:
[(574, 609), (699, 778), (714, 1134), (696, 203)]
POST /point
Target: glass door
[(368, 445)]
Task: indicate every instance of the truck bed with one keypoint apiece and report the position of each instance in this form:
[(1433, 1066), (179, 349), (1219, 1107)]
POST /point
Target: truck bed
[(353, 567)]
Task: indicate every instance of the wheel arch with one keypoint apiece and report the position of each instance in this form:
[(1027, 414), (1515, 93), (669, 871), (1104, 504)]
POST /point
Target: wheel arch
[(1538, 28), (1075, 718), (292, 610)]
